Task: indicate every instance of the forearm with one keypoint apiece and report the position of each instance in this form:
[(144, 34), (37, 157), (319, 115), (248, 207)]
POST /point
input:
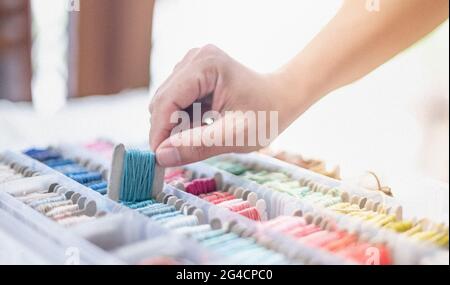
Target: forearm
[(356, 41)]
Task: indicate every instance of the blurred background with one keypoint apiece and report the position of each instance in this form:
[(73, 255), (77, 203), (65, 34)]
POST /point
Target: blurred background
[(72, 71)]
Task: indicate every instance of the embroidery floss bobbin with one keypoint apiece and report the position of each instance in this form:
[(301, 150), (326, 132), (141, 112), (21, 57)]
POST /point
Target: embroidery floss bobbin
[(231, 199), (135, 175), (73, 168)]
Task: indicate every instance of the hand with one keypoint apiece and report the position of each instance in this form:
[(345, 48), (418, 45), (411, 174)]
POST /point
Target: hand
[(209, 76)]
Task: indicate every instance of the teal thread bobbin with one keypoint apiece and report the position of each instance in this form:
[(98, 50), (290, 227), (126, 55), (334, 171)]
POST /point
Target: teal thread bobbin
[(134, 176), (137, 175)]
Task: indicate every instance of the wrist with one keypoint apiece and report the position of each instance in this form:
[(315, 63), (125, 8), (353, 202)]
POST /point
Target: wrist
[(297, 91)]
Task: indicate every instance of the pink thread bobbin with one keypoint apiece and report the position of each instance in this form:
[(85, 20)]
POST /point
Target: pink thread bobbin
[(251, 213), (200, 186), (239, 206), (316, 232), (235, 199)]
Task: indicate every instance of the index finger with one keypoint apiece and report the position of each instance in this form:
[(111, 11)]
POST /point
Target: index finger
[(179, 92)]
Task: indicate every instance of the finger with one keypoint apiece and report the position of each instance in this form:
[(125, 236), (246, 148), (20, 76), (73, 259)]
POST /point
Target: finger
[(185, 87), (202, 142), (159, 131), (187, 58)]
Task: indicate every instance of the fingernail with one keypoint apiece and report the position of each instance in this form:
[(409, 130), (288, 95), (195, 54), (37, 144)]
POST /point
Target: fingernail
[(168, 157)]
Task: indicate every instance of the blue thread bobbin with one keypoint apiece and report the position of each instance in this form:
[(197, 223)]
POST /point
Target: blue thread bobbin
[(69, 167), (135, 176)]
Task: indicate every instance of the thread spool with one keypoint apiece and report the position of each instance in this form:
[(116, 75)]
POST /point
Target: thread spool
[(8, 173), (59, 204), (135, 175), (230, 194), (81, 170)]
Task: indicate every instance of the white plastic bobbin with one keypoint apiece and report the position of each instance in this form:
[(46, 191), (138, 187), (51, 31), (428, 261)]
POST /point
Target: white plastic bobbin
[(180, 186), (90, 209), (219, 180), (398, 212), (297, 213), (158, 180), (116, 172), (179, 204), (216, 224), (200, 216), (171, 201), (238, 192), (160, 197)]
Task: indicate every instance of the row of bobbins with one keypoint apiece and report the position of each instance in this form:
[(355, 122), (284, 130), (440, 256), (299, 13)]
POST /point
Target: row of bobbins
[(10, 171), (403, 249), (318, 231), (231, 197), (82, 170), (219, 238), (92, 166), (214, 238), (59, 204), (282, 182), (366, 210), (356, 201), (182, 206), (375, 212), (276, 243)]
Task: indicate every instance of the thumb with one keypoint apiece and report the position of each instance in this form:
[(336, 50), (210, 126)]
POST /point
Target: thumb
[(197, 144)]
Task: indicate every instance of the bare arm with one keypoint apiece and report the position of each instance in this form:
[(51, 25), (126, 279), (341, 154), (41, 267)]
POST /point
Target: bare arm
[(357, 40)]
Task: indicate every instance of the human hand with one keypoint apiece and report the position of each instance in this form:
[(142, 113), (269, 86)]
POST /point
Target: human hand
[(209, 76)]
